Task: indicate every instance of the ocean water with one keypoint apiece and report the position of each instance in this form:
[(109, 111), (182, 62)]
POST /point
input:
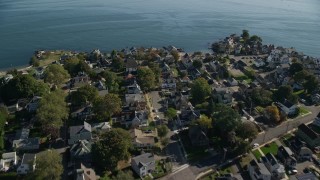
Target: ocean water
[(83, 25)]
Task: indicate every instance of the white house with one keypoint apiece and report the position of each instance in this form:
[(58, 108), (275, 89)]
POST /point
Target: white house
[(272, 164), (28, 164), (258, 171), (287, 107), (259, 63), (143, 164), (8, 159)]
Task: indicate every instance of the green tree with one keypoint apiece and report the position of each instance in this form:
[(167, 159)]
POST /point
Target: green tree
[(146, 78), (23, 86), (162, 131), (117, 64), (311, 83), (285, 92), (272, 112), (55, 74), (255, 38), (112, 81), (301, 76), (295, 67), (247, 130), (165, 141), (105, 107), (261, 96), (34, 61), (171, 113), (156, 70), (245, 35), (205, 122), (112, 147), (175, 55), (197, 64), (51, 113), (225, 118), (84, 95), (48, 166), (121, 175), (72, 65), (3, 119), (200, 90)]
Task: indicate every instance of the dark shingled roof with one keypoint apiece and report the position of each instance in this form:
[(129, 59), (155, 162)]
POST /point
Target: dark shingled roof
[(309, 132), (131, 63)]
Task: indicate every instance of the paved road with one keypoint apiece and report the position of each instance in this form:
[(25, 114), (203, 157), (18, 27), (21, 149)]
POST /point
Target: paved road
[(156, 102), (289, 125)]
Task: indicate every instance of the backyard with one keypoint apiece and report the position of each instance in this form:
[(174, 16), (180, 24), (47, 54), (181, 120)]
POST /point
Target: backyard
[(270, 148), (162, 168)]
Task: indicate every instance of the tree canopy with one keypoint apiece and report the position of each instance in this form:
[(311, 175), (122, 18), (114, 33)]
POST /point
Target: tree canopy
[(285, 92), (225, 118), (146, 78), (112, 81), (121, 175), (247, 130), (311, 83), (105, 107), (112, 147), (295, 67), (117, 64), (200, 90), (273, 113), (55, 74), (85, 94), (204, 122), (162, 131), (261, 96), (197, 64), (23, 86), (48, 166), (171, 113), (51, 112)]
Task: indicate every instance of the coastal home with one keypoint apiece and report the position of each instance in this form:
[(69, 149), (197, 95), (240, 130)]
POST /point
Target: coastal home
[(23, 142), (317, 120), (131, 66), (80, 80), (83, 172), (197, 136), (84, 132), (84, 113), (259, 63), (143, 164), (315, 98), (131, 99), (222, 95), (8, 160), (134, 88), (288, 108), (32, 106), (28, 164), (304, 154), (26, 144), (308, 135), (272, 164), (286, 156), (187, 115), (258, 171), (81, 150), (306, 176), (141, 139)]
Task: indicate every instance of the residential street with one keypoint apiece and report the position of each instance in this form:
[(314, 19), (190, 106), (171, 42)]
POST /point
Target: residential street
[(286, 126)]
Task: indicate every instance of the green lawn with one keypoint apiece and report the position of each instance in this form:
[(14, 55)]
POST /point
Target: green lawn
[(162, 168), (303, 111), (298, 92), (244, 161), (214, 175), (257, 154), (270, 148)]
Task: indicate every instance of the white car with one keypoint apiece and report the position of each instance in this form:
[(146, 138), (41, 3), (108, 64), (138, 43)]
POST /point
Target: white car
[(256, 145)]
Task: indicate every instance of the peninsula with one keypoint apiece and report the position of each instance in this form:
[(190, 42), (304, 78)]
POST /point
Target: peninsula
[(246, 110)]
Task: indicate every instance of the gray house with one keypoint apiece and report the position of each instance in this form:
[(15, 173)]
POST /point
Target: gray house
[(286, 155), (143, 164), (83, 132), (81, 150)]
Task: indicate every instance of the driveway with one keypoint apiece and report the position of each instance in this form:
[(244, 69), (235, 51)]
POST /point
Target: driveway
[(156, 104), (287, 126)]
